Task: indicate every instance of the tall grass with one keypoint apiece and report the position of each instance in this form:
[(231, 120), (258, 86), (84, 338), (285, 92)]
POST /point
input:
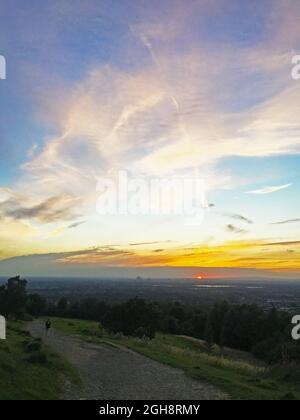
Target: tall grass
[(194, 357)]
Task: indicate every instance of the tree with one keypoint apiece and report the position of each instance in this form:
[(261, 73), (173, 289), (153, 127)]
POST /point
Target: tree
[(209, 334), (199, 324), (134, 314), (62, 306), (240, 328), (13, 298), (36, 304), (217, 316)]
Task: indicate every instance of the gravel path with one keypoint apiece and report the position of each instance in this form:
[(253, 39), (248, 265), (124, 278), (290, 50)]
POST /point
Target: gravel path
[(109, 373)]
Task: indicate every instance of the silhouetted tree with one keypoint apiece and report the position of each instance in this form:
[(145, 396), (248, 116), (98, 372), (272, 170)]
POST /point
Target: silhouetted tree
[(62, 306), (209, 334), (241, 328), (13, 298), (134, 314), (36, 304), (199, 324)]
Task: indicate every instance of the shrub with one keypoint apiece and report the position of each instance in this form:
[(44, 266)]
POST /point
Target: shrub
[(100, 330), (91, 332), (24, 333), (276, 350), (286, 373), (216, 350), (267, 350), (27, 317), (141, 333), (37, 357), (118, 335), (288, 397), (33, 346), (8, 367)]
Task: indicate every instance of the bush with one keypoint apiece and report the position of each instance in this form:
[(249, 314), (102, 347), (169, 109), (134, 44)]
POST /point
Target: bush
[(215, 350), (276, 350), (288, 397), (118, 336), (91, 332), (8, 367), (37, 357), (100, 330), (141, 333), (286, 373), (33, 346), (267, 350), (27, 317)]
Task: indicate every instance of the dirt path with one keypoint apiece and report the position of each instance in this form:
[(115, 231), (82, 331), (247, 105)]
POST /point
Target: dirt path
[(109, 373)]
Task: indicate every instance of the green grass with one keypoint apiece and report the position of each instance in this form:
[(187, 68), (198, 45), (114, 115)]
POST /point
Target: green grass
[(22, 380), (239, 379), (74, 326), (86, 330)]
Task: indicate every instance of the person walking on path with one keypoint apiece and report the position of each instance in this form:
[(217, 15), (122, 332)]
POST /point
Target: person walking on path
[(47, 326)]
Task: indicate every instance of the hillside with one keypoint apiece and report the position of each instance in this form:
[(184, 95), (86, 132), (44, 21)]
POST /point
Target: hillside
[(235, 374), (167, 367), (110, 371), (30, 370)]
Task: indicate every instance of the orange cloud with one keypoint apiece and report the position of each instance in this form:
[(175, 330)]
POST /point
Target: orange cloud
[(256, 254)]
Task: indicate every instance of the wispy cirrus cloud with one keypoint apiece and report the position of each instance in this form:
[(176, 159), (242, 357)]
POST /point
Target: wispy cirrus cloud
[(283, 243), (235, 229), (62, 207), (75, 225), (240, 218), (180, 100), (286, 222), (150, 243), (269, 190), (172, 112)]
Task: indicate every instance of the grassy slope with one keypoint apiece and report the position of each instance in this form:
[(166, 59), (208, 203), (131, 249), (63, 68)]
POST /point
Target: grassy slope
[(240, 379), (21, 380)]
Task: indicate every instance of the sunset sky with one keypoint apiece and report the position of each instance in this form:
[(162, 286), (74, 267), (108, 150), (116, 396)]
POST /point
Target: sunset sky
[(158, 88)]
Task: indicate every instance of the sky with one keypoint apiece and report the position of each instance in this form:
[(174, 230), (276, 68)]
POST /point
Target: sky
[(158, 90)]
